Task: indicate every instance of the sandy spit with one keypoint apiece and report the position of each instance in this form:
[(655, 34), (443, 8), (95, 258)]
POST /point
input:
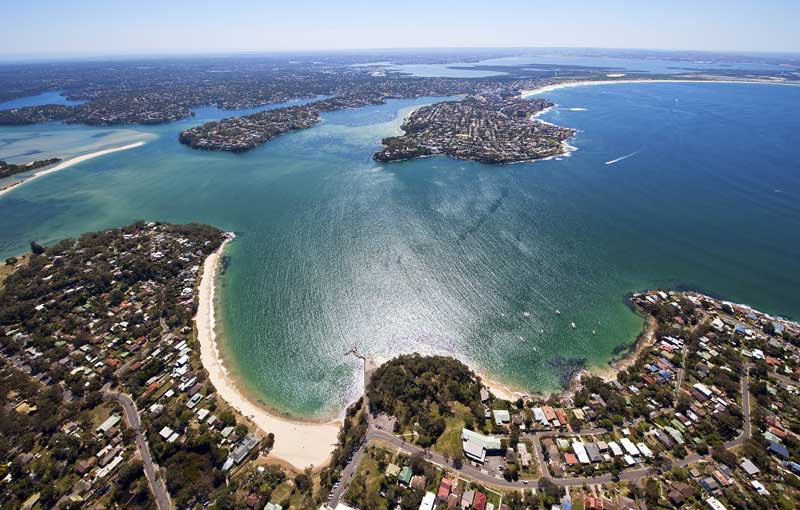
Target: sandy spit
[(68, 163), (583, 83)]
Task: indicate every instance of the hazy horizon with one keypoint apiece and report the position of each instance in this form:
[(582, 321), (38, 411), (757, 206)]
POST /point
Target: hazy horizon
[(46, 29), (13, 59)]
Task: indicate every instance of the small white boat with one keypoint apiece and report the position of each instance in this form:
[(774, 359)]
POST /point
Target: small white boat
[(526, 314), (594, 332), (573, 325), (557, 312), (541, 331)]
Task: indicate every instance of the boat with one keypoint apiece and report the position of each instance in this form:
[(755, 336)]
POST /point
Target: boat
[(526, 314), (573, 325), (557, 312), (594, 332)]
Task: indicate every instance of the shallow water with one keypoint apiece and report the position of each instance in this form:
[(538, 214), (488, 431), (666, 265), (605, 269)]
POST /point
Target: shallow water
[(438, 255)]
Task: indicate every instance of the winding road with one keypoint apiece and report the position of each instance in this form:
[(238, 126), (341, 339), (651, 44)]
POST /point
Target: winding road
[(150, 469)]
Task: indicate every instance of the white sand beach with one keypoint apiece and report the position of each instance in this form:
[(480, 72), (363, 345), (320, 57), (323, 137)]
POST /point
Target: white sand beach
[(299, 444), (584, 83), (502, 391), (68, 163)]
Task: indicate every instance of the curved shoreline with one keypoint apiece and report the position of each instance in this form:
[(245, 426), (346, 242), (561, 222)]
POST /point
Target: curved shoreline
[(299, 444), (292, 437), (68, 163), (583, 83)]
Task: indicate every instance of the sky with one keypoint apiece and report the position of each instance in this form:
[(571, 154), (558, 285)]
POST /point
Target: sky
[(70, 28)]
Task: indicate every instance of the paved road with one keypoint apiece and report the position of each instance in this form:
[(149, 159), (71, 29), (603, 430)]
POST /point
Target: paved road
[(681, 370), (350, 469), (150, 469), (469, 471), (746, 426), (479, 475), (347, 476), (782, 378)]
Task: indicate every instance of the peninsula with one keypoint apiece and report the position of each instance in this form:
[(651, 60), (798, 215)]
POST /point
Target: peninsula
[(488, 129), (240, 134)]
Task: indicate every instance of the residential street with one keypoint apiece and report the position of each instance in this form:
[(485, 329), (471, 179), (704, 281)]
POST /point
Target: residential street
[(157, 487), (632, 475)]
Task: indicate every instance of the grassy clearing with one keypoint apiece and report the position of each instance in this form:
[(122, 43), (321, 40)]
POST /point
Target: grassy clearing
[(450, 441), (282, 493), (6, 269)]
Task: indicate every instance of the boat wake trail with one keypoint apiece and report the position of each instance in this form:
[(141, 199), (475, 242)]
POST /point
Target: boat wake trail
[(626, 156)]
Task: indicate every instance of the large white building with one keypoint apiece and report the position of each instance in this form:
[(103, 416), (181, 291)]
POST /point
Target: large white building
[(476, 445)]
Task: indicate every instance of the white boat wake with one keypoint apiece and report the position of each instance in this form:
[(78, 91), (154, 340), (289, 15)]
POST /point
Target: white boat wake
[(626, 156)]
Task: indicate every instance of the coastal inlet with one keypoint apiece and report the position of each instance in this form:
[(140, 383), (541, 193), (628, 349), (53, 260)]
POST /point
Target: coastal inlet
[(439, 255)]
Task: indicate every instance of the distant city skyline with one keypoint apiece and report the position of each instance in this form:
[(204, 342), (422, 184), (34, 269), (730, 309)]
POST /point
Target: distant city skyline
[(53, 29)]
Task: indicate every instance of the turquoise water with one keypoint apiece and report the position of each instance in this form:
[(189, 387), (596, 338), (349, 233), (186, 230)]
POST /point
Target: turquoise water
[(437, 255)]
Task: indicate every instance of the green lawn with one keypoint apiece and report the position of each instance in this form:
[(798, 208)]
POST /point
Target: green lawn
[(493, 498), (450, 440), (282, 493), (371, 474), (369, 468)]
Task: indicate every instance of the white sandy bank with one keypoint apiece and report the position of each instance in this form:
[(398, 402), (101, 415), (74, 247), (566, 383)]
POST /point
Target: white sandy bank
[(301, 444), (68, 163), (583, 83)]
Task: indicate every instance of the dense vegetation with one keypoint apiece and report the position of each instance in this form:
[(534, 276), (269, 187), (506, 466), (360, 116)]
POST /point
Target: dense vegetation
[(419, 390), (119, 267), (52, 468), (67, 318), (9, 169)]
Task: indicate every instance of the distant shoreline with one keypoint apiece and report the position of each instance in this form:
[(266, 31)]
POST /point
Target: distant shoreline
[(582, 83), (68, 163), (297, 443)]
